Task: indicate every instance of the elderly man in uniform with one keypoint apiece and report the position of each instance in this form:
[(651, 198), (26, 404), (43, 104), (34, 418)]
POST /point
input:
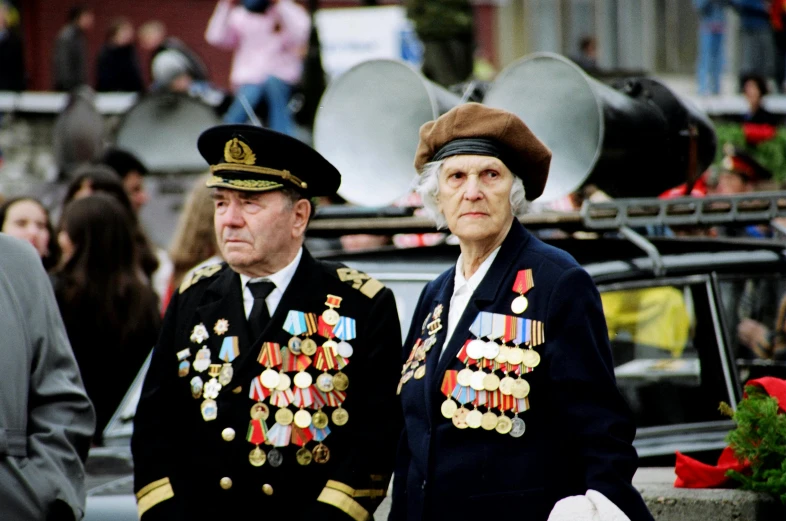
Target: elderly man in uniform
[(271, 391), (510, 403)]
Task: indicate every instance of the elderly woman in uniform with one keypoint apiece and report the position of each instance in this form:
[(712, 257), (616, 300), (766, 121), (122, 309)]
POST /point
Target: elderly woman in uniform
[(508, 392)]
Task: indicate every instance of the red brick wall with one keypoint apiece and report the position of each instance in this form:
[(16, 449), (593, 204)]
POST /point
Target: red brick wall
[(186, 19)]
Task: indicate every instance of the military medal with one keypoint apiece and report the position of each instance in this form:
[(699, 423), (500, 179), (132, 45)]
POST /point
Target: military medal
[(275, 458), (523, 283), (308, 347), (420, 372), (213, 387), (196, 387), (491, 382), (476, 380), (474, 419), (202, 360), (340, 416), (183, 368), (464, 377), (303, 456), (225, 376), (475, 349), (230, 349), (331, 316), (504, 425), (319, 420), (270, 378), (460, 418), (321, 454), (520, 388), (517, 427), (257, 457), (221, 327), (340, 381), (325, 382), (199, 334), (284, 417), (260, 411), (209, 410), (530, 357), (294, 345), (506, 385), (283, 382), (303, 380), (302, 419), (489, 421), (185, 353), (448, 408)]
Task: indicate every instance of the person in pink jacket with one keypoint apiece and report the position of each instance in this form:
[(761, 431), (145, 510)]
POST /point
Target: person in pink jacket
[(269, 39)]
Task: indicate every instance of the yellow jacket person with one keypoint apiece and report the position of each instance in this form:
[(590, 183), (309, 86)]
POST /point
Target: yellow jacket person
[(271, 391)]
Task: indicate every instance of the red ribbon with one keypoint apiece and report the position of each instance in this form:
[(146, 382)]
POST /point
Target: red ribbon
[(524, 282), (301, 436), (324, 329), (449, 382), (333, 301), (511, 328), (506, 402), (462, 355), (270, 355), (325, 359), (256, 432)]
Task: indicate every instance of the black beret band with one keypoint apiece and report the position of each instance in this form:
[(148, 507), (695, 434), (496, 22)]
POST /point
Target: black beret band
[(475, 147)]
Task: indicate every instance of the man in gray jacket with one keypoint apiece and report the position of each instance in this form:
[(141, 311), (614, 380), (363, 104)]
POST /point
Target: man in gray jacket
[(46, 419), (69, 63)]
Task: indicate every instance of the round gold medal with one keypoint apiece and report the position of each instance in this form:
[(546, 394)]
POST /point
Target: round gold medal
[(474, 419), (303, 456), (420, 372), (303, 419), (303, 380), (294, 345), (506, 385), (340, 381), (284, 381), (257, 457), (520, 388), (519, 305), (345, 349), (491, 382), (270, 378), (490, 350), (504, 424), (330, 316), (502, 356), (308, 347), (325, 382), (319, 419), (340, 416), (460, 418), (259, 411), (489, 421), (464, 377), (476, 382), (321, 454), (515, 356), (449, 408), (406, 378), (284, 417), (531, 358)]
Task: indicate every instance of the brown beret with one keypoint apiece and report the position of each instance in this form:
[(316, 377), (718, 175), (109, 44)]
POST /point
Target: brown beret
[(524, 154)]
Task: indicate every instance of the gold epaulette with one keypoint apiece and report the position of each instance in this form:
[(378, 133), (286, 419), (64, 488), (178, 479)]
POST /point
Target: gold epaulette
[(201, 273), (360, 281)]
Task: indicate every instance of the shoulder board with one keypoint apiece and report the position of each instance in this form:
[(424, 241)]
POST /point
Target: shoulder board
[(201, 273), (360, 281)]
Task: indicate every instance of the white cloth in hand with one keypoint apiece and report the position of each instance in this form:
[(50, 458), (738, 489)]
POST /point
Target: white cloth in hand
[(592, 506)]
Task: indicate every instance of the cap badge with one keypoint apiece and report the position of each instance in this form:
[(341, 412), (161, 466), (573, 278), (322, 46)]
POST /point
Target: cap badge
[(235, 151)]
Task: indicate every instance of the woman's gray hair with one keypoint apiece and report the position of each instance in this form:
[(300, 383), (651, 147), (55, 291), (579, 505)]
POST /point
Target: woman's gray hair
[(427, 186)]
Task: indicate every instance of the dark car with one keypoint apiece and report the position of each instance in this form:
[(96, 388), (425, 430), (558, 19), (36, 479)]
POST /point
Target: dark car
[(673, 305)]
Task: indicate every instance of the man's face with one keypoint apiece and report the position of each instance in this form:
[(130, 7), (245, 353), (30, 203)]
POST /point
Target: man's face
[(258, 233), (474, 196), (86, 20), (134, 185), (729, 183)]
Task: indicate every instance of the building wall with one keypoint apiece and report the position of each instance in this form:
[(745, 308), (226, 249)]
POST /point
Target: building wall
[(186, 19)]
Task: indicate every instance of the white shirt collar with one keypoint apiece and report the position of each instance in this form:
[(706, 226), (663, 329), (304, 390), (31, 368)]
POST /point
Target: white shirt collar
[(474, 281), (281, 278)]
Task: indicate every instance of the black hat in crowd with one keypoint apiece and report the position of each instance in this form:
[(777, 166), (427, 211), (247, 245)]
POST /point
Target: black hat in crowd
[(743, 164), (255, 159)]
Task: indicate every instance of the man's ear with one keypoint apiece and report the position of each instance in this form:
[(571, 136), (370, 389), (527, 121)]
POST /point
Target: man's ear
[(302, 213)]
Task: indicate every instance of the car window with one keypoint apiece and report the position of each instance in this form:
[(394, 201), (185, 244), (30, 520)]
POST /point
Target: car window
[(754, 313), (666, 354)]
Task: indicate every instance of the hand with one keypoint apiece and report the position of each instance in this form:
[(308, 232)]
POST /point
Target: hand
[(755, 336)]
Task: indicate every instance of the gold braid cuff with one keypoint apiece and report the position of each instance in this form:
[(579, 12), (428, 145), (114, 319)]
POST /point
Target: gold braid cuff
[(345, 503), (152, 494)]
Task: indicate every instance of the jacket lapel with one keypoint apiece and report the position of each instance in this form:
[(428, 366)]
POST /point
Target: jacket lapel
[(488, 291), (442, 297)]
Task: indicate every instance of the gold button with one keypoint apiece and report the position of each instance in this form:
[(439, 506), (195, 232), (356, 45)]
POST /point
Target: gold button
[(226, 483), (267, 489), (228, 434)]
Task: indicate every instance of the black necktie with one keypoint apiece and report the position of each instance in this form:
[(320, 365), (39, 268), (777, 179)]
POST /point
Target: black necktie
[(259, 316)]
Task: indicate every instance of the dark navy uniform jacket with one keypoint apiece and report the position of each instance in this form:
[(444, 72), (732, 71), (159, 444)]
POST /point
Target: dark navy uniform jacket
[(578, 428), (180, 459)]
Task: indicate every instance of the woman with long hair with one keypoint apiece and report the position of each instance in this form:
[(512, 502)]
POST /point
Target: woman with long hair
[(110, 312), (27, 219)]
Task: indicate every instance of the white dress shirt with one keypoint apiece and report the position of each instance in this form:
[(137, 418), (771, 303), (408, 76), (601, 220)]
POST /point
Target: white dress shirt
[(281, 279), (463, 290)]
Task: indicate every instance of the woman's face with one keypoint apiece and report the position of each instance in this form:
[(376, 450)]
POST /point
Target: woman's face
[(26, 220), (474, 196)]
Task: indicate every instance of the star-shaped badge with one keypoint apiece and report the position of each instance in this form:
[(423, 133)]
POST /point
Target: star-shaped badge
[(222, 326), (199, 334)]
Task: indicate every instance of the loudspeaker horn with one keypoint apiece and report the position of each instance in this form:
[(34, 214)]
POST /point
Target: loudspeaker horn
[(367, 125), (635, 138)]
